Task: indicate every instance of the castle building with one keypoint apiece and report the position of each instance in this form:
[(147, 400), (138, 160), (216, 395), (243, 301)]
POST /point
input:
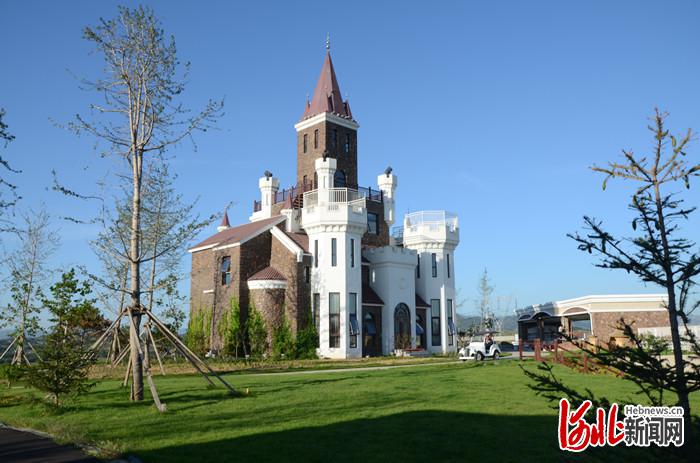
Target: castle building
[(323, 251)]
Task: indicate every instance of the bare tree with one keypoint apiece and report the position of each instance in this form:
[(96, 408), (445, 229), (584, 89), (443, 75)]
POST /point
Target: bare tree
[(485, 289), (28, 274), (6, 137), (655, 253), (139, 116)]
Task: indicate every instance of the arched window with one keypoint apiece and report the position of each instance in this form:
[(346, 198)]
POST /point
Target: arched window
[(339, 179), (402, 327)]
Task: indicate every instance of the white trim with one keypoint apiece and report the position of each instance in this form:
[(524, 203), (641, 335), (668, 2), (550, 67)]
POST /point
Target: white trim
[(601, 298), (201, 248), (227, 246), (288, 243), (323, 117), (267, 284), (207, 291)]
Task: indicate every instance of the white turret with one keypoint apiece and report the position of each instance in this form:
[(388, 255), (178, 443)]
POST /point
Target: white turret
[(335, 220), (269, 186), (434, 235), (387, 183)]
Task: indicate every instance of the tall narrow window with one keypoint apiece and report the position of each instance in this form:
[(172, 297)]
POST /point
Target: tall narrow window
[(451, 328), (347, 143), (334, 252), (434, 257), (334, 319), (354, 325), (448, 265), (316, 309), (307, 274), (316, 139), (372, 223), (435, 321), (315, 253), (225, 270), (306, 139), (352, 252), (418, 267), (334, 138)]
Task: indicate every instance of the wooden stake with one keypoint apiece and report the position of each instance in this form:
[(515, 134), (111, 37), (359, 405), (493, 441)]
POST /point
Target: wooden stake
[(9, 347), (155, 349)]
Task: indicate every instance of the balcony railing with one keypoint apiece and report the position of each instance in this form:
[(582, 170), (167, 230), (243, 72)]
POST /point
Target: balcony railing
[(432, 220), (371, 194), (332, 196)]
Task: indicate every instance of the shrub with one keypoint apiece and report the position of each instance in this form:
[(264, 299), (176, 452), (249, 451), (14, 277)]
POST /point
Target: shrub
[(257, 332), (11, 374), (307, 342), (283, 345), (230, 329), (199, 330)]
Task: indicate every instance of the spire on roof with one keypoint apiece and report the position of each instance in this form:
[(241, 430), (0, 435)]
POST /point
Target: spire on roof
[(224, 222), (327, 97)]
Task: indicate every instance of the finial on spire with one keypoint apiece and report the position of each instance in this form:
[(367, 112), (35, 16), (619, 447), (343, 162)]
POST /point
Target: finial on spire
[(328, 40)]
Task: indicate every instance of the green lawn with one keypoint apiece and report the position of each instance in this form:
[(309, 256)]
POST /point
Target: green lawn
[(450, 412)]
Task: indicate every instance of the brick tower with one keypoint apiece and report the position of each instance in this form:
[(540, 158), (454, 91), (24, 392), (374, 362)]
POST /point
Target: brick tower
[(327, 127)]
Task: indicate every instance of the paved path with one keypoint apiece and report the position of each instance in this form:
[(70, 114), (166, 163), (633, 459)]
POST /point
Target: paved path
[(27, 447)]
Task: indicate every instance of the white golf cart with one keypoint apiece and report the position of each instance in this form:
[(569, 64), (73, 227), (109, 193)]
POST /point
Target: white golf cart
[(481, 345)]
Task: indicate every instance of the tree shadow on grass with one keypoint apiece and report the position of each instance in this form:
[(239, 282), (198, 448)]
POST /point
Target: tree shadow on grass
[(425, 436)]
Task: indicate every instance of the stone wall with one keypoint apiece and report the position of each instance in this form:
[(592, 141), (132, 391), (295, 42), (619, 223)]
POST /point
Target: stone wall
[(270, 304), (603, 323)]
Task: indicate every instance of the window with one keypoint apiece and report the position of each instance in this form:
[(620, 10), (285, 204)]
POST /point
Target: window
[(354, 326), (347, 143), (451, 329), (339, 179), (448, 265), (418, 267), (315, 253), (334, 252), (334, 320), (434, 257), (226, 270), (315, 309), (435, 321), (316, 139), (306, 139), (334, 138), (372, 223), (304, 183), (307, 274), (352, 252)]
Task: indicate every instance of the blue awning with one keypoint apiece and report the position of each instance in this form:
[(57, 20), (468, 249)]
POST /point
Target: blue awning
[(419, 329)]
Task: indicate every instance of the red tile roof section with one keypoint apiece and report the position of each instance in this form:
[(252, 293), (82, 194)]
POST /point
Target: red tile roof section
[(236, 234), (369, 296), (302, 239), (268, 273), (327, 97)]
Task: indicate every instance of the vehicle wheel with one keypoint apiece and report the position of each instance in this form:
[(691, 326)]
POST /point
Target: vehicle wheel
[(496, 355), (479, 356)]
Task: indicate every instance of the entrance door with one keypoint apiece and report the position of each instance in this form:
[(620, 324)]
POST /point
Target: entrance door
[(421, 338), (371, 331), (402, 327)]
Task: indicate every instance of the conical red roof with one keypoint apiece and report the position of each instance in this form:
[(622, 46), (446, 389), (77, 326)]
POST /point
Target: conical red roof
[(327, 97), (224, 220)]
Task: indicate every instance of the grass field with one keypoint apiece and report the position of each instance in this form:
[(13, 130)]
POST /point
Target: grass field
[(449, 412)]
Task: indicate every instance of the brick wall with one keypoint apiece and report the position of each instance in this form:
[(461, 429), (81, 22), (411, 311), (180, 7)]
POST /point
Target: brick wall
[(347, 162), (297, 296), (604, 323), (382, 239), (270, 304)]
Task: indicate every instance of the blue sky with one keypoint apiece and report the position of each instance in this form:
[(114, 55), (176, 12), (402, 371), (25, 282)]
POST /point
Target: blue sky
[(491, 110)]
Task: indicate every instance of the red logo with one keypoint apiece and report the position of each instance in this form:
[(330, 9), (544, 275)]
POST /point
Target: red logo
[(576, 434)]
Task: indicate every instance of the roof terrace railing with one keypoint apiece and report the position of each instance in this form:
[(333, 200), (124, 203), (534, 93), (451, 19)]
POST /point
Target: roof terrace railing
[(371, 194), (431, 219)]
